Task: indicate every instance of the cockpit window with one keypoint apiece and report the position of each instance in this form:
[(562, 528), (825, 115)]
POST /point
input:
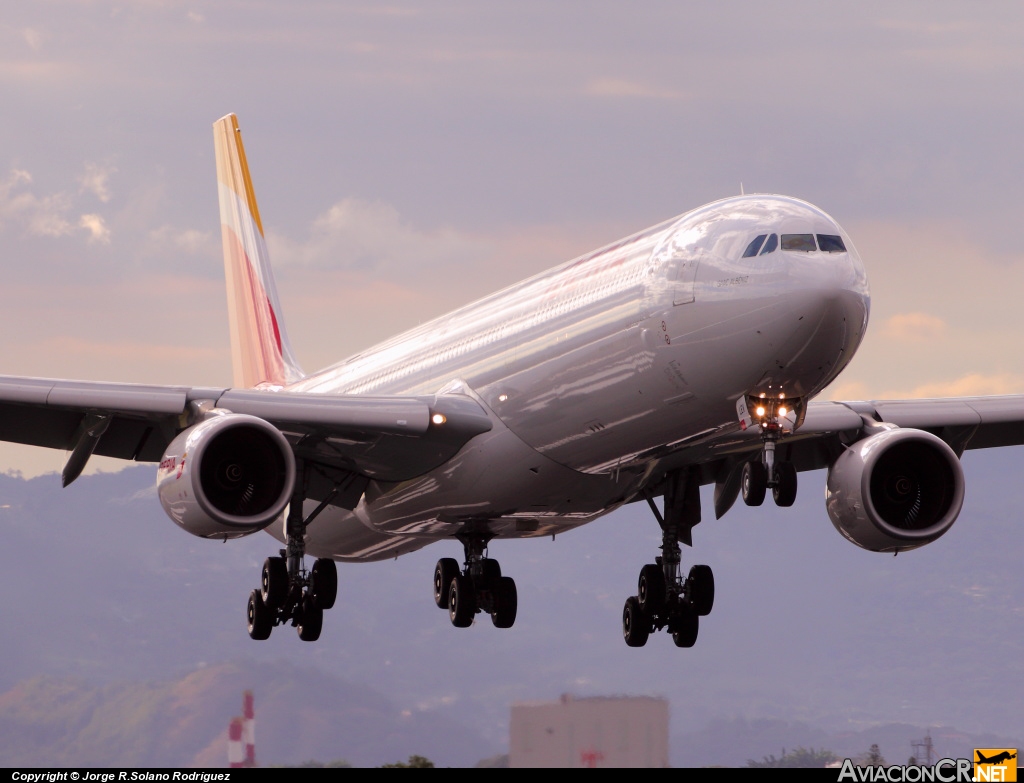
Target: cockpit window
[(770, 245), (831, 244), (754, 246), (804, 242)]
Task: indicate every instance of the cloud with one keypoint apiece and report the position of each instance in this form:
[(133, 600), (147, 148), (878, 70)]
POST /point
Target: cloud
[(96, 180), (369, 236), (970, 385), (32, 37), (47, 216), (973, 384), (914, 327), (623, 88), (189, 240), (98, 231)]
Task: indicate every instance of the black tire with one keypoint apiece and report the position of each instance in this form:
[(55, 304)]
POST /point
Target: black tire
[(260, 620), (702, 589), (274, 582), (506, 602), (461, 601), (311, 620), (650, 589), (684, 627), (784, 490), (323, 583), (444, 572), (492, 573), (636, 626), (754, 484)]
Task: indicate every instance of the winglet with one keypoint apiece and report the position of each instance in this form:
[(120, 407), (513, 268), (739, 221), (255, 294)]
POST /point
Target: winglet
[(261, 354)]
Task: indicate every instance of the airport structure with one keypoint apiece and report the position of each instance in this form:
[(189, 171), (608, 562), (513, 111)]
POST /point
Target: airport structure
[(600, 731), (242, 735)]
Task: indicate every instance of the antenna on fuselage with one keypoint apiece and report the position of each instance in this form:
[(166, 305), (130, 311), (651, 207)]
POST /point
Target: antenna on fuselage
[(741, 190)]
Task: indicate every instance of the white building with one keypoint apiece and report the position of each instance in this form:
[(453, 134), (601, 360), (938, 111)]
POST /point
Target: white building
[(601, 731)]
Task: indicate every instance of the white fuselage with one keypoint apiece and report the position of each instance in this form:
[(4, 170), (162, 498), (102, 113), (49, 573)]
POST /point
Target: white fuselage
[(594, 370)]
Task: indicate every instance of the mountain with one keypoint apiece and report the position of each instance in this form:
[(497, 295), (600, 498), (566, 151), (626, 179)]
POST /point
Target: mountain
[(302, 714), (807, 628), (734, 742)]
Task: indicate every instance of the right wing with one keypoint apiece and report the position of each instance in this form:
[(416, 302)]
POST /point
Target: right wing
[(383, 438)]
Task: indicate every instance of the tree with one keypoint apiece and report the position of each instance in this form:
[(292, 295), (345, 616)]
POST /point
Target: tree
[(873, 758), (415, 762), (801, 758)]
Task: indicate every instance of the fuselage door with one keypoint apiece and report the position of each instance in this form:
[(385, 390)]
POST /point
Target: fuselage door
[(686, 261)]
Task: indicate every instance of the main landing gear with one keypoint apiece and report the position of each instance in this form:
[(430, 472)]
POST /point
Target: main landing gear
[(479, 587), (665, 599), (287, 591), (764, 473)]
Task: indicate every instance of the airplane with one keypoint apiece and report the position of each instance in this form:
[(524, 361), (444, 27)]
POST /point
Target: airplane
[(996, 759), (686, 354)]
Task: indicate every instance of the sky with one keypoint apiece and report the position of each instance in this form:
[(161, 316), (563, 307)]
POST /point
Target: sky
[(409, 158)]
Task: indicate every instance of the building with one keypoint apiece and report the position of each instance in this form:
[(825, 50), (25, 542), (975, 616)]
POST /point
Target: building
[(599, 731)]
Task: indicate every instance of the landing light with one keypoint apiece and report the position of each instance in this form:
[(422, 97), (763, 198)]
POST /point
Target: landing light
[(760, 410), (438, 418), (502, 397), (782, 410)]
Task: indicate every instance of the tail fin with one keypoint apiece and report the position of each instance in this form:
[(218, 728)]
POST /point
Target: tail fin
[(260, 351)]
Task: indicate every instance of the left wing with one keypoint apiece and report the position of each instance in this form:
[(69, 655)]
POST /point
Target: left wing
[(831, 428)]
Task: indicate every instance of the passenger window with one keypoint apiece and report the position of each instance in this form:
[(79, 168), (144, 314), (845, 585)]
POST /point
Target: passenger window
[(770, 245), (754, 246), (831, 244), (804, 242)]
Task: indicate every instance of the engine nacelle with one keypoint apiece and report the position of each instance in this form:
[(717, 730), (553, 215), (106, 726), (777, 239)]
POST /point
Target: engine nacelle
[(897, 490), (226, 477)]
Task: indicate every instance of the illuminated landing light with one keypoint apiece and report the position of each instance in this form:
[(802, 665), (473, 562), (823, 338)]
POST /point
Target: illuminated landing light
[(760, 410), (502, 397), (782, 410), (438, 418)]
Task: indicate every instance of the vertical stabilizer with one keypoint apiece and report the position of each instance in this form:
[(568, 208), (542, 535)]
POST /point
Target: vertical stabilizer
[(260, 351)]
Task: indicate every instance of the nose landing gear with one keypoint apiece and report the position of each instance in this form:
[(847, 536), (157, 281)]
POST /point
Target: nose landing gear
[(759, 475)]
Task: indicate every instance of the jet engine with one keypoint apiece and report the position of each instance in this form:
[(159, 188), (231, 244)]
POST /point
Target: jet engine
[(896, 490), (227, 476)]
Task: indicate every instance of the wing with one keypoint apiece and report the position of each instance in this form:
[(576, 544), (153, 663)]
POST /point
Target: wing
[(829, 427), (384, 438)]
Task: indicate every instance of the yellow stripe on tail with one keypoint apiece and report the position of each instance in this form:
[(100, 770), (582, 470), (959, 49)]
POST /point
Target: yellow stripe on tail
[(261, 354)]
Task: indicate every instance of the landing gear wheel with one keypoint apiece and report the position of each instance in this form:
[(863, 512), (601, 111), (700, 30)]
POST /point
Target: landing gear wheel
[(274, 582), (650, 591), (323, 583), (461, 601), (754, 483), (259, 617), (784, 490), (311, 620), (445, 570), (636, 626), (506, 602), (701, 582), (684, 628), (492, 573)]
